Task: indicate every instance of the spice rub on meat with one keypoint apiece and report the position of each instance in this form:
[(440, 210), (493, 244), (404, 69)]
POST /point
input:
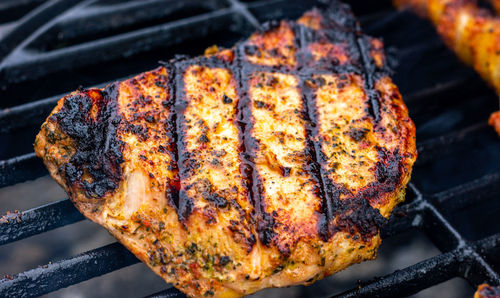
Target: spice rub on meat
[(270, 164)]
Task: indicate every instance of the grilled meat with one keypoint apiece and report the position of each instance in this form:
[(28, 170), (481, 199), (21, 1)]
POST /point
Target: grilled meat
[(487, 291), (270, 164), (496, 5), (472, 32)]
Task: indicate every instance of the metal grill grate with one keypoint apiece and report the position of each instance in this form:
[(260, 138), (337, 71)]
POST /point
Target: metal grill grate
[(56, 36)]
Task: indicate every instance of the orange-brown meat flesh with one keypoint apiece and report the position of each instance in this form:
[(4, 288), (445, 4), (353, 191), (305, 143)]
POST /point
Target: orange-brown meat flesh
[(472, 32), (270, 164)]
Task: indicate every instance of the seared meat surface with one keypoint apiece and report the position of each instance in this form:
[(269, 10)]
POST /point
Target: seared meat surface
[(472, 32), (487, 291), (270, 164)]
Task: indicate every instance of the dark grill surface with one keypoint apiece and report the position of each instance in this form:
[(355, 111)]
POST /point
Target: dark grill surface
[(48, 48)]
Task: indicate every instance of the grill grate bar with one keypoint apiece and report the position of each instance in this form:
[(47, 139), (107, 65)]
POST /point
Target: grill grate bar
[(463, 261), (94, 22), (412, 279), (432, 149), (26, 63), (57, 275), (21, 168), (27, 114), (469, 194), (32, 65), (403, 218), (439, 230), (19, 225), (417, 277), (441, 268), (460, 258), (489, 248), (442, 89), (477, 270), (457, 262), (35, 112), (168, 293), (31, 22), (237, 6)]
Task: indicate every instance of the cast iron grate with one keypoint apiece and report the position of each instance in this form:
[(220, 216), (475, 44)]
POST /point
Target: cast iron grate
[(447, 101)]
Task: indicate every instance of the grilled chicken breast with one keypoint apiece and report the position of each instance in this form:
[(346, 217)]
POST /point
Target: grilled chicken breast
[(270, 164), (472, 32)]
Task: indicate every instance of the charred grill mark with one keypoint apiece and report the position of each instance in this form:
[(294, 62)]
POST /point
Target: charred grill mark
[(210, 163), (369, 74), (305, 36), (355, 214), (185, 164), (352, 213), (244, 127), (342, 42), (173, 187), (290, 191), (264, 221), (91, 119), (311, 40), (326, 211), (347, 210)]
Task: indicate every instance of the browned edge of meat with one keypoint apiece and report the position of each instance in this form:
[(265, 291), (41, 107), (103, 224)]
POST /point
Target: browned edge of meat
[(487, 291)]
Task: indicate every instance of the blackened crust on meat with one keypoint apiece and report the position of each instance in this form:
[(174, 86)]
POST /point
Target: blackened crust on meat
[(326, 209), (242, 118), (185, 206), (96, 163), (370, 77), (173, 188), (389, 170), (356, 215), (185, 163), (265, 222)]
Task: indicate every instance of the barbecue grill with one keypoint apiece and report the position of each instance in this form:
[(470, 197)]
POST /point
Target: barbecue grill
[(48, 48)]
